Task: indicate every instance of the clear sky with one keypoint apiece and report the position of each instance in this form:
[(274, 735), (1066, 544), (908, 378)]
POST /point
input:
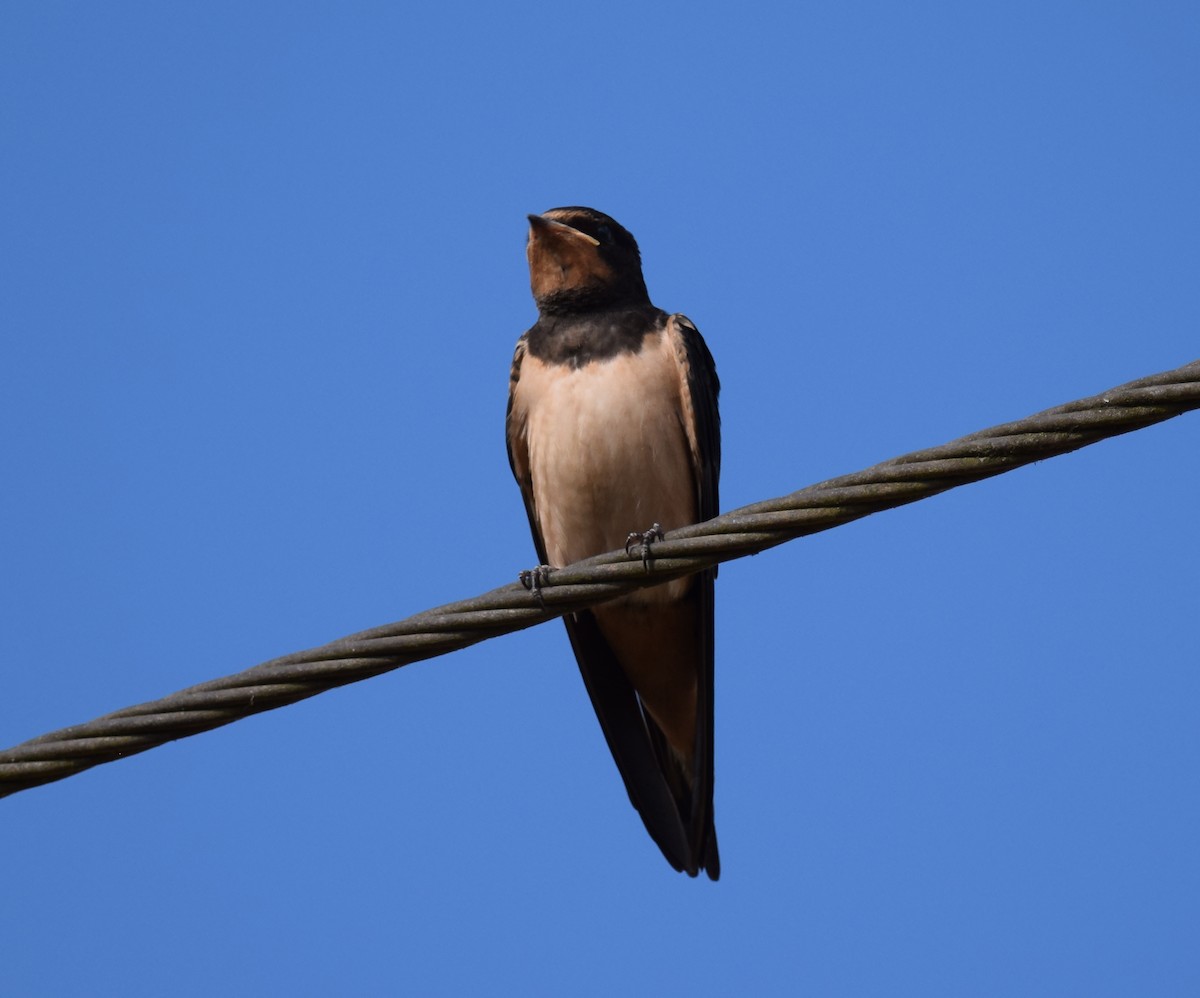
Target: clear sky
[(262, 272)]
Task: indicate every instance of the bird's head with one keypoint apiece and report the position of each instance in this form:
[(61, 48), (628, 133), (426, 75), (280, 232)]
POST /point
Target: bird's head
[(582, 260)]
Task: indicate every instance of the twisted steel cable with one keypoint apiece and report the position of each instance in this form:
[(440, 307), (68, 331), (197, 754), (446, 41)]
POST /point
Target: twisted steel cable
[(744, 531)]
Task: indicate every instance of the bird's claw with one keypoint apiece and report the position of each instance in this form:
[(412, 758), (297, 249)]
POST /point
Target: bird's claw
[(533, 579), (643, 539)]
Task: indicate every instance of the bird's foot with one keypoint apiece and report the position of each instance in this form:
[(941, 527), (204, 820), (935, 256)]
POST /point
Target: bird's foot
[(643, 539), (533, 579)]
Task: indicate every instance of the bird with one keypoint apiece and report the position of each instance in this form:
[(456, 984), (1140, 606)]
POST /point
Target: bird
[(612, 423)]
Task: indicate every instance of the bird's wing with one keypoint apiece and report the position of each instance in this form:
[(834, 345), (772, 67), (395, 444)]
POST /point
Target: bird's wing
[(518, 448), (701, 419), (699, 387)]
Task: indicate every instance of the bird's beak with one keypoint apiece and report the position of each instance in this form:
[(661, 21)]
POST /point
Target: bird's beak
[(540, 225)]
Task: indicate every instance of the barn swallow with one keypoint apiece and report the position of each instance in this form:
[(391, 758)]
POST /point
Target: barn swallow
[(612, 425)]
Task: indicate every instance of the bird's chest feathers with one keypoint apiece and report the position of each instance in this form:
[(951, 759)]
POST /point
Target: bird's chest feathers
[(607, 450)]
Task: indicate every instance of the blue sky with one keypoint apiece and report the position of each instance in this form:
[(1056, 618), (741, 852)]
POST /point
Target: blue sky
[(262, 272)]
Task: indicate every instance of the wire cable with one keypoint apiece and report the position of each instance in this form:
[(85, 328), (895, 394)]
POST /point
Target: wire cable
[(744, 531)]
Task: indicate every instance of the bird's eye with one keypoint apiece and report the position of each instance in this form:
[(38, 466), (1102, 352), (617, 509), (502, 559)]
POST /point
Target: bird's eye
[(604, 234)]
